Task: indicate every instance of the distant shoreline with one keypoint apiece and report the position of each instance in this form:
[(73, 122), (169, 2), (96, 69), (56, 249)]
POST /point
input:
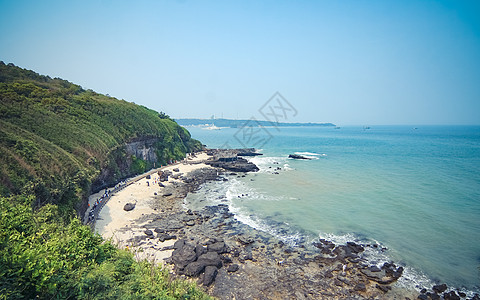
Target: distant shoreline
[(242, 123)]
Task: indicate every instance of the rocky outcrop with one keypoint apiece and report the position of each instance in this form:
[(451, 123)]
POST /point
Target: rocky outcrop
[(296, 156), (235, 165)]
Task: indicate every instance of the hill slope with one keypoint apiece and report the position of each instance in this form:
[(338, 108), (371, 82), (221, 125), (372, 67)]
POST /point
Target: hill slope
[(57, 143), (58, 140)]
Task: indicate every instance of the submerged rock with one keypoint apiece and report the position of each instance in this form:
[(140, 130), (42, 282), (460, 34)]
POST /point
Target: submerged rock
[(296, 156), (440, 288)]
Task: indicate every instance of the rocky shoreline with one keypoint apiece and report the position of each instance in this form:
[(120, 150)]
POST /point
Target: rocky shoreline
[(235, 261)]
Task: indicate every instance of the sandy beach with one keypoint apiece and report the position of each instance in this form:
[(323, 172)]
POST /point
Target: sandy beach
[(119, 226)]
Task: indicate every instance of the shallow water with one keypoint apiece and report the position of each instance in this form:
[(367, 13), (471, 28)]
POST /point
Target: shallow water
[(414, 191)]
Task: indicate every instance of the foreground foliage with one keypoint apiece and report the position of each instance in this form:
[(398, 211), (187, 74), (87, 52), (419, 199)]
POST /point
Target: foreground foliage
[(43, 257)]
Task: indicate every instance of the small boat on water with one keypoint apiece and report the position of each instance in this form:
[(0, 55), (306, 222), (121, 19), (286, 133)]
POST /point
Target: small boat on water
[(212, 127)]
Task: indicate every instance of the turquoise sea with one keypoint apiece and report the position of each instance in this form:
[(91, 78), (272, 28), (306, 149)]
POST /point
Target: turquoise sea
[(414, 191)]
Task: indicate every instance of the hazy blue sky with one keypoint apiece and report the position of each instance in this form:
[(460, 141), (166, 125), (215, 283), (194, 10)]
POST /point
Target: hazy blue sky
[(346, 62)]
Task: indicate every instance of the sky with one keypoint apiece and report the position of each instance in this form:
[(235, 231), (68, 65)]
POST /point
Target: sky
[(349, 62)]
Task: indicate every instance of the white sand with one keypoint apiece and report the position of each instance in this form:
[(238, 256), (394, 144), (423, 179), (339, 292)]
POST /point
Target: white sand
[(119, 225)]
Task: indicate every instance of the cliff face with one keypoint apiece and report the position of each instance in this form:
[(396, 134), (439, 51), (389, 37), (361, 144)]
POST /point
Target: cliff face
[(143, 148), (60, 142)]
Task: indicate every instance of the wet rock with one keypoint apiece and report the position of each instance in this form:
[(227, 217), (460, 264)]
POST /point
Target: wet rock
[(355, 248), (129, 206), (440, 288), (433, 296), (176, 170), (148, 232), (422, 297), (209, 275), (296, 156), (233, 268), (451, 296)]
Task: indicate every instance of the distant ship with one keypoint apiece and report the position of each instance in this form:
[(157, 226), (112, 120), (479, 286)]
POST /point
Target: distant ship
[(211, 127), (366, 127)]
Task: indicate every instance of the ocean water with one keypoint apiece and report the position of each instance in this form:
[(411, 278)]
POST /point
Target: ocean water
[(414, 191)]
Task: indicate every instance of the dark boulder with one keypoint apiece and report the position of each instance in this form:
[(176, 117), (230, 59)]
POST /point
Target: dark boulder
[(199, 250), (440, 288), (129, 206), (355, 248), (209, 275), (148, 232), (383, 288), (433, 296), (238, 165), (451, 296), (194, 269), (388, 273), (162, 237), (360, 287), (183, 256), (179, 244), (374, 269), (422, 297), (218, 247), (176, 170), (233, 268), (210, 259)]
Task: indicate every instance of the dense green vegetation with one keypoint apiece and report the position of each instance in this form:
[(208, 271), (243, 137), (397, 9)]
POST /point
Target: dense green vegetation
[(58, 140)]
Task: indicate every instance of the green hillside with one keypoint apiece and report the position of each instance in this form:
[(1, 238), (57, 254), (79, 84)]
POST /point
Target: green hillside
[(56, 139), (58, 142)]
